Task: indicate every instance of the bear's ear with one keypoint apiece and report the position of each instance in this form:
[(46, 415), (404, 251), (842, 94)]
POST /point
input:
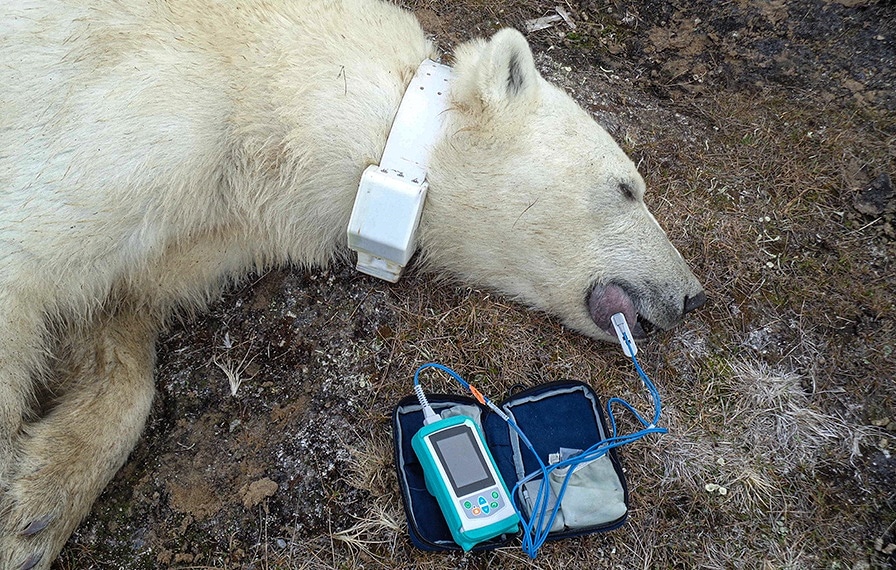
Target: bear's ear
[(501, 74)]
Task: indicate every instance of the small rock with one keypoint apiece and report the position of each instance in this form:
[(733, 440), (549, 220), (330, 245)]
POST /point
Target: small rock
[(165, 557), (188, 520), (889, 549), (258, 491), (876, 198)]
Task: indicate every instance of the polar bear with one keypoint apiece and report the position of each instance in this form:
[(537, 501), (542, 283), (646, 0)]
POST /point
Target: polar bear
[(152, 152)]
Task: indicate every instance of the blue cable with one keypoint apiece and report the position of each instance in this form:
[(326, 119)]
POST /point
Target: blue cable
[(443, 368), (536, 528)]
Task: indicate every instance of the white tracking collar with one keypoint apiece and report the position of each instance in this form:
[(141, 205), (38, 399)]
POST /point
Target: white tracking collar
[(390, 197)]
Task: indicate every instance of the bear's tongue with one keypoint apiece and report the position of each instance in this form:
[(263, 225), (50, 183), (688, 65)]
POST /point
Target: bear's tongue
[(607, 300)]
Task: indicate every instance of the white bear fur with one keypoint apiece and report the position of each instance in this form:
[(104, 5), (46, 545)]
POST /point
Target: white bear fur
[(151, 152)]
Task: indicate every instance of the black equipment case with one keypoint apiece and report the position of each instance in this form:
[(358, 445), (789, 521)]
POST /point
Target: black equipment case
[(555, 416)]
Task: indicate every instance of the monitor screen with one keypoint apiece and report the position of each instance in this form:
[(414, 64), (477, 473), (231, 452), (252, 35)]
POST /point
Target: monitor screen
[(462, 459)]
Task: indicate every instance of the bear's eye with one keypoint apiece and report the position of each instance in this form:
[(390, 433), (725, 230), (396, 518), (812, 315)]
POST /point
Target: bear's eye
[(627, 191)]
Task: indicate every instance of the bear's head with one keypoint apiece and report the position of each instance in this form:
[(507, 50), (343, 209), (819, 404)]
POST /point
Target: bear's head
[(531, 197)]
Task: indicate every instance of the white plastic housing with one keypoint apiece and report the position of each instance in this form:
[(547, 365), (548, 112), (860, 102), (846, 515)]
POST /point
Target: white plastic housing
[(378, 228)]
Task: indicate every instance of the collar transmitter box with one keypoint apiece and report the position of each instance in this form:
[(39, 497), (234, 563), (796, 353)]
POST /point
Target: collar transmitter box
[(390, 196)]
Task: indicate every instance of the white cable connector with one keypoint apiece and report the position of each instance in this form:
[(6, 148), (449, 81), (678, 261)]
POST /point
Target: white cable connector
[(624, 334), (429, 415)]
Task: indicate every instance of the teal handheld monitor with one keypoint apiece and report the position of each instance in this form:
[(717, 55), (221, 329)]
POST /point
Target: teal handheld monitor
[(461, 474)]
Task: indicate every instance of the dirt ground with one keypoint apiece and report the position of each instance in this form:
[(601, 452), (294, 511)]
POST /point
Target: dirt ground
[(767, 134)]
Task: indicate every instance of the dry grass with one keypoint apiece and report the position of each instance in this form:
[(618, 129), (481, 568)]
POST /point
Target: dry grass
[(235, 372)]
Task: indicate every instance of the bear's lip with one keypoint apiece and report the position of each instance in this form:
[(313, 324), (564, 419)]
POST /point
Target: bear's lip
[(604, 301)]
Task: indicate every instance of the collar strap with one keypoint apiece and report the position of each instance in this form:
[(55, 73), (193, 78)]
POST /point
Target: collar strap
[(390, 196)]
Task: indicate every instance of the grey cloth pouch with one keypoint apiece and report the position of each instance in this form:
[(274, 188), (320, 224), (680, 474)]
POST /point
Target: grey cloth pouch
[(532, 488), (594, 494)]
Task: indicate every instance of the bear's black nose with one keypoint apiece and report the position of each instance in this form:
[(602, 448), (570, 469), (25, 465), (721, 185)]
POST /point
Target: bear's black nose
[(695, 302)]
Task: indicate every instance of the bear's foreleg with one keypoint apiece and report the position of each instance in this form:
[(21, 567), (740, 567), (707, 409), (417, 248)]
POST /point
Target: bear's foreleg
[(22, 332), (68, 456)]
